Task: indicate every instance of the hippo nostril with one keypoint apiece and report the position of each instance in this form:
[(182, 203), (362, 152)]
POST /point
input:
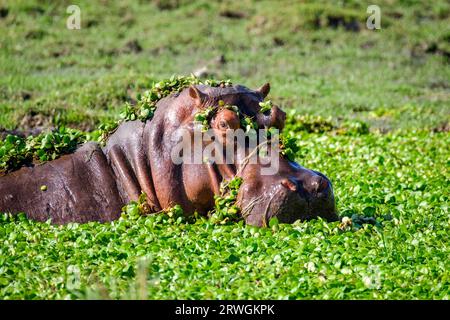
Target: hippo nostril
[(318, 184), (288, 183)]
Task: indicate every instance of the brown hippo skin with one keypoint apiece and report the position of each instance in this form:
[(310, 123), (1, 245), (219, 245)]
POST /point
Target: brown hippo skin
[(81, 187), (93, 183)]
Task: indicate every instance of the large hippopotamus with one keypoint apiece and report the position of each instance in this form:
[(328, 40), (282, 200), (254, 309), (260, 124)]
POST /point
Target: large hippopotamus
[(95, 182)]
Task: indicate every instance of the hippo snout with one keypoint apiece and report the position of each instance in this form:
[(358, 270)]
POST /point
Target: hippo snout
[(306, 199), (299, 194), (314, 185)]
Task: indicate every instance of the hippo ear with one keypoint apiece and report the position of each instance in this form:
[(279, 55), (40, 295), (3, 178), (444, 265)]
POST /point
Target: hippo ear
[(264, 90), (197, 95)]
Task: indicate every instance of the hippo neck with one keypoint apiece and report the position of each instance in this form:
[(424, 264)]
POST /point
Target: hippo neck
[(127, 153)]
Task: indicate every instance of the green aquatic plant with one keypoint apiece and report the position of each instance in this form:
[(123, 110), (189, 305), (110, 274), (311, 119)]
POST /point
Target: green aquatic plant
[(17, 151), (225, 207), (146, 105)]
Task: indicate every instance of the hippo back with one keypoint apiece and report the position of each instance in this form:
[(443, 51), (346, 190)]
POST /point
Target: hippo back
[(78, 187)]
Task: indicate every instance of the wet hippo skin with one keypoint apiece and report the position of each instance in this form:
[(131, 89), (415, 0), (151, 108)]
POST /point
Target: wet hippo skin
[(81, 187)]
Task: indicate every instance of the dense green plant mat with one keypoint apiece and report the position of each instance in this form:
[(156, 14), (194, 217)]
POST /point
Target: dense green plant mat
[(402, 253)]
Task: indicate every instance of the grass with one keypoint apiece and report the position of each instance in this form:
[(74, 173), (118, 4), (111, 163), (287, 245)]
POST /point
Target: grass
[(391, 77), (394, 79)]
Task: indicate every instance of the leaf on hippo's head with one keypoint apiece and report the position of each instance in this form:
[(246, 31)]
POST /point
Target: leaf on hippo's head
[(265, 106)]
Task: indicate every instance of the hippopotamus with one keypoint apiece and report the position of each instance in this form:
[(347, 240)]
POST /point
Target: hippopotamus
[(96, 181)]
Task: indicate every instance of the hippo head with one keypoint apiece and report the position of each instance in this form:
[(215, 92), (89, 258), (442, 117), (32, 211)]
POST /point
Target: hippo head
[(291, 193)]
